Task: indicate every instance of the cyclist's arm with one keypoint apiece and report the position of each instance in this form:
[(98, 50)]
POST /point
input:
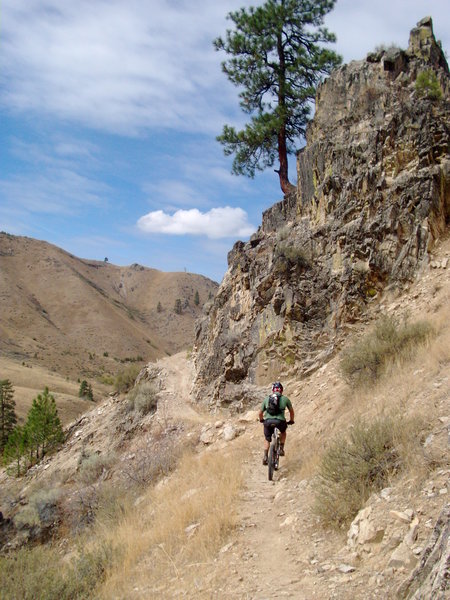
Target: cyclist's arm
[(261, 415), (291, 410)]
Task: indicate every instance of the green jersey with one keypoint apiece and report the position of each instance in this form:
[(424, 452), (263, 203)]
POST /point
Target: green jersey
[(284, 404)]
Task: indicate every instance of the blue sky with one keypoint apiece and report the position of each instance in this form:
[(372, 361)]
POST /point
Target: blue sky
[(109, 112)]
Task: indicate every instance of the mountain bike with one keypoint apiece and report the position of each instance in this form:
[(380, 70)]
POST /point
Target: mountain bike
[(273, 457)]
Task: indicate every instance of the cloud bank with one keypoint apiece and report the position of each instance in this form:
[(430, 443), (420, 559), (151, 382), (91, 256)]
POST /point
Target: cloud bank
[(217, 223), (117, 66)]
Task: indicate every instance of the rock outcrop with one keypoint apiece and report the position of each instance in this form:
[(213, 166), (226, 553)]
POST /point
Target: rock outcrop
[(373, 195)]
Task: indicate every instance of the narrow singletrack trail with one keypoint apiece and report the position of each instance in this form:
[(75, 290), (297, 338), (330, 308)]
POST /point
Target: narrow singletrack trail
[(268, 558)]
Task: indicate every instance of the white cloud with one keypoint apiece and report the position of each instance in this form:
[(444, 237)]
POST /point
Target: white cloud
[(217, 223), (130, 66), (114, 65)]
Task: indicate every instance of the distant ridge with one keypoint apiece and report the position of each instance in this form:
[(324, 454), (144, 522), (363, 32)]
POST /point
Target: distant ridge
[(79, 316)]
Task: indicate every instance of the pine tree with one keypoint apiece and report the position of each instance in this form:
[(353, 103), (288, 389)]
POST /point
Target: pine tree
[(8, 418), (278, 58), (43, 425), (177, 307), (159, 307), (196, 298), (15, 448), (85, 390)]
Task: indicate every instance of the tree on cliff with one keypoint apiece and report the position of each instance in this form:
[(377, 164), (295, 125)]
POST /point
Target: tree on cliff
[(277, 57)]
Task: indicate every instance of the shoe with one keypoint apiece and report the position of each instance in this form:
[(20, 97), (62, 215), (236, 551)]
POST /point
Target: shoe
[(282, 451), (265, 460)]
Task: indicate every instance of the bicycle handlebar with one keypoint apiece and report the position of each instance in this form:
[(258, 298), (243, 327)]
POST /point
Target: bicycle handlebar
[(287, 422)]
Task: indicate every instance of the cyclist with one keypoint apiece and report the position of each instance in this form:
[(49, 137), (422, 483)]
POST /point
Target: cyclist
[(278, 419)]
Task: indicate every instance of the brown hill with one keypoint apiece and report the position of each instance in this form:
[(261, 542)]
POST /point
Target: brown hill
[(84, 318)]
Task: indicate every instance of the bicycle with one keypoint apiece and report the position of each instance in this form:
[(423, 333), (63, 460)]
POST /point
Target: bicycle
[(273, 457)]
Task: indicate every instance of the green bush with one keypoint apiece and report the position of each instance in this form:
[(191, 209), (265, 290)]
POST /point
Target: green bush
[(355, 465), (142, 399), (367, 360), (427, 84), (126, 378)]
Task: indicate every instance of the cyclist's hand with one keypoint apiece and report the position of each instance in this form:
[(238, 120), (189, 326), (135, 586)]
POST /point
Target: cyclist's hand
[(261, 420), (290, 422)]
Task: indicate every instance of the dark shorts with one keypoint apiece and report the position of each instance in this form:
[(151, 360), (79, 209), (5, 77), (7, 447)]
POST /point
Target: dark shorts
[(270, 424)]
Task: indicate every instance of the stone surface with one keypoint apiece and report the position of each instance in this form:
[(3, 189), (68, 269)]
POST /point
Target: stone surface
[(430, 579)]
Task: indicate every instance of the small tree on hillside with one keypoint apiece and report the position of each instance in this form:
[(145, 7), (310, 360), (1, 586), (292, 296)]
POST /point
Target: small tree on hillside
[(277, 57), (85, 391), (43, 425), (177, 307), (8, 418), (196, 298), (15, 448), (159, 307)]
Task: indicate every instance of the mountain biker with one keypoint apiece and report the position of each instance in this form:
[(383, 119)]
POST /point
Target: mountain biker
[(275, 420)]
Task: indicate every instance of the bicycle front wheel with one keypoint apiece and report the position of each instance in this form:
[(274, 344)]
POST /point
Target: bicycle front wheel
[(271, 459)]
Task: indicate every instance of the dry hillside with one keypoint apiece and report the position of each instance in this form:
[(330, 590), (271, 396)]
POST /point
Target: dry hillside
[(84, 319), (213, 524)]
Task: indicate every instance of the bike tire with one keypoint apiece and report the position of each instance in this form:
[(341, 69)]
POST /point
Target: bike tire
[(276, 455), (271, 461)]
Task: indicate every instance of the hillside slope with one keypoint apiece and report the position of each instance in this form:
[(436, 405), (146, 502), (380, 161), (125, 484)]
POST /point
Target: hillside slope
[(270, 518), (80, 317)]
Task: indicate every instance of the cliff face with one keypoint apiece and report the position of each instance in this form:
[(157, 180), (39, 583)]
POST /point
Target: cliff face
[(373, 196)]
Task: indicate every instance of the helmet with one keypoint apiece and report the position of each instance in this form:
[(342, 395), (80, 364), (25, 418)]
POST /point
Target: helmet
[(277, 387)]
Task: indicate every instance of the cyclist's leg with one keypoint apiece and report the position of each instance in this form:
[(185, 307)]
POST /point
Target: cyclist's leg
[(283, 434), (268, 429)]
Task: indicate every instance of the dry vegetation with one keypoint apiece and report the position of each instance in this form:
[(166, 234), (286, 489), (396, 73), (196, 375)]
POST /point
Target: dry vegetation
[(159, 540), (384, 369), (176, 529)]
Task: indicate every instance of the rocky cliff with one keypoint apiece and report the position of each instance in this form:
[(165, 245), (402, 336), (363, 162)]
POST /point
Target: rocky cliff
[(373, 196)]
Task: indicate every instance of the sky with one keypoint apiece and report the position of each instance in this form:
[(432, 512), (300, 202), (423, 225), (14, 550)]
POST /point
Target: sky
[(109, 112)]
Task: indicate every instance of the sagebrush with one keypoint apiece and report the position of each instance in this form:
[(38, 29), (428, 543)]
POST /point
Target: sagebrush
[(391, 341)]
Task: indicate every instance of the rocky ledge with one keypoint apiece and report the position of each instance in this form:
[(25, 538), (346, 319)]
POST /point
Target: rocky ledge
[(372, 198)]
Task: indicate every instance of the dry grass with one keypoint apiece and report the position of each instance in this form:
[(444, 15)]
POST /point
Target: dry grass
[(390, 343), (169, 539), (29, 381), (399, 411)]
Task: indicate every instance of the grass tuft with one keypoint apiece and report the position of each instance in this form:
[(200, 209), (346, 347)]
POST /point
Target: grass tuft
[(362, 461), (389, 343)]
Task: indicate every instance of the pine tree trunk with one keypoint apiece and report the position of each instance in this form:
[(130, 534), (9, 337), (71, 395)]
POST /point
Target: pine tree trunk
[(285, 184)]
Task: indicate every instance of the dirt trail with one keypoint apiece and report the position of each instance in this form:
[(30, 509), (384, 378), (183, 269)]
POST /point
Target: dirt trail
[(177, 376), (276, 531), (279, 552)]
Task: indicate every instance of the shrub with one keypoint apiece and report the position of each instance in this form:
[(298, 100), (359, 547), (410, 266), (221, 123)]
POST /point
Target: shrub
[(91, 466), (42, 508), (294, 256), (107, 379), (355, 465), (367, 360), (142, 399), (427, 85), (153, 460), (125, 379)]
